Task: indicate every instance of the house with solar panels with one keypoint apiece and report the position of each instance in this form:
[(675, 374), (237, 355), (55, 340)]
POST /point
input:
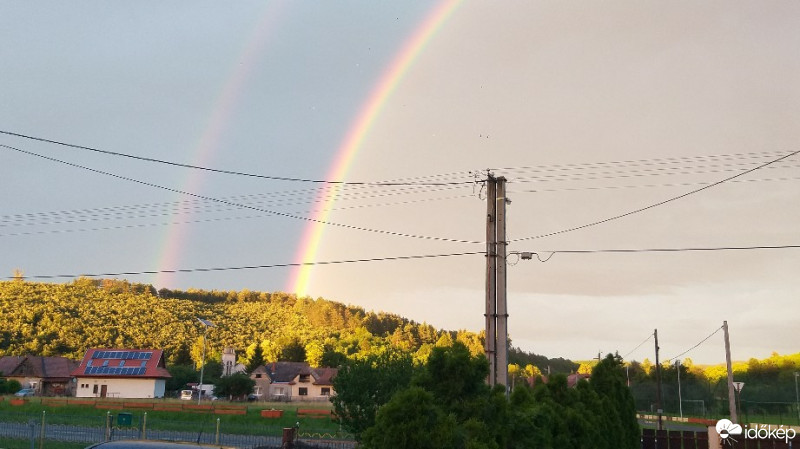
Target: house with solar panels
[(121, 373)]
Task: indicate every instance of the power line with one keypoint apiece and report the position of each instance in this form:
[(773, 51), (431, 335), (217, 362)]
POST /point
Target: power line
[(550, 254), (637, 346), (661, 203), (58, 219), (175, 223), (693, 347), (243, 206), (628, 174), (130, 226), (214, 170), (193, 206), (641, 162), (641, 186), (253, 267)]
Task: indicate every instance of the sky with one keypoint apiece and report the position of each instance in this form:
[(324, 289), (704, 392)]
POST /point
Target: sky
[(590, 110)]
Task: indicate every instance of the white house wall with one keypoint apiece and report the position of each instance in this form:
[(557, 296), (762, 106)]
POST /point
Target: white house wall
[(314, 392), (121, 388)]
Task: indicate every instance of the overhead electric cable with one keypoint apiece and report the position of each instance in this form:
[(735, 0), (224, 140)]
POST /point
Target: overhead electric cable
[(629, 174), (641, 186), (693, 347), (214, 170), (130, 226), (637, 347), (243, 206), (176, 223), (655, 250), (640, 162), (253, 267), (660, 203), (126, 212)]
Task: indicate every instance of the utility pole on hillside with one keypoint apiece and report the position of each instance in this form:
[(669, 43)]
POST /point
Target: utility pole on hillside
[(496, 302), (731, 389), (659, 410)]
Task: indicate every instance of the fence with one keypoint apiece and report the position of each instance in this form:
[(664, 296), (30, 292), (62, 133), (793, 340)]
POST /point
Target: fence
[(45, 431), (676, 439), (663, 439)]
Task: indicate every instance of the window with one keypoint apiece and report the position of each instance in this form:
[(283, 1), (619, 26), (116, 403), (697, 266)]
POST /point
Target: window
[(304, 378), (325, 391), (302, 391), (94, 390), (258, 376)]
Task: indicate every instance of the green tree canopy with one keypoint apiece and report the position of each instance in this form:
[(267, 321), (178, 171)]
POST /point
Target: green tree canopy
[(363, 386), (411, 420), (235, 386)]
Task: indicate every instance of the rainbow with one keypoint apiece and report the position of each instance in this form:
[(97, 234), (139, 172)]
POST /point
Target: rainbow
[(348, 149), (208, 142)]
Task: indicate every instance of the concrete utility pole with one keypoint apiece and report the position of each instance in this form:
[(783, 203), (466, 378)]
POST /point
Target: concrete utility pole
[(502, 305), (206, 324), (659, 409), (491, 276), (731, 389), (496, 303)]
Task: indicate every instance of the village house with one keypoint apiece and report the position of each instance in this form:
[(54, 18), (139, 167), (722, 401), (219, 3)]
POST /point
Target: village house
[(121, 373), (47, 376), (293, 381)]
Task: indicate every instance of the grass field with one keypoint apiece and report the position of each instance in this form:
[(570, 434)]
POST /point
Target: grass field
[(251, 423), (10, 443)]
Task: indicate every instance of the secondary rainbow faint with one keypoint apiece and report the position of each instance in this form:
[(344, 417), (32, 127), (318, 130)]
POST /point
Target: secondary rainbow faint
[(225, 104), (300, 280)]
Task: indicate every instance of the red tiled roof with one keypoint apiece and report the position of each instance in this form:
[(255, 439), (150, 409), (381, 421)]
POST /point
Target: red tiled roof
[(104, 362)]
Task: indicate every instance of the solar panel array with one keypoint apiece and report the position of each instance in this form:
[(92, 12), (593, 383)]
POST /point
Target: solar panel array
[(125, 355), (115, 370)]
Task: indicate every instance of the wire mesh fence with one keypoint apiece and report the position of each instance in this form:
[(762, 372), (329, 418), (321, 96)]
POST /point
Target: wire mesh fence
[(45, 431)]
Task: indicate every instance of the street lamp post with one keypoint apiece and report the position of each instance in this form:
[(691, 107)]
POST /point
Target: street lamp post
[(797, 396), (738, 387), (680, 400), (206, 324)]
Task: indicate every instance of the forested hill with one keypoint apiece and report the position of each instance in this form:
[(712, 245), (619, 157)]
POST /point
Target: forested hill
[(66, 319)]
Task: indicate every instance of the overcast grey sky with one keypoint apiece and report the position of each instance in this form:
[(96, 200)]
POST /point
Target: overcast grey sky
[(589, 109)]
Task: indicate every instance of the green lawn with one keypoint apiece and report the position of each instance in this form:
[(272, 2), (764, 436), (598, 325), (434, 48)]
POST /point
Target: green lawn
[(11, 443), (251, 424)]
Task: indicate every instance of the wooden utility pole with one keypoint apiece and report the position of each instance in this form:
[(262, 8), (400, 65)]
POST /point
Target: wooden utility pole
[(491, 276), (659, 409), (731, 390)]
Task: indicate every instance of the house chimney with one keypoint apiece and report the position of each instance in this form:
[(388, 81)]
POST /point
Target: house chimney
[(274, 367)]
